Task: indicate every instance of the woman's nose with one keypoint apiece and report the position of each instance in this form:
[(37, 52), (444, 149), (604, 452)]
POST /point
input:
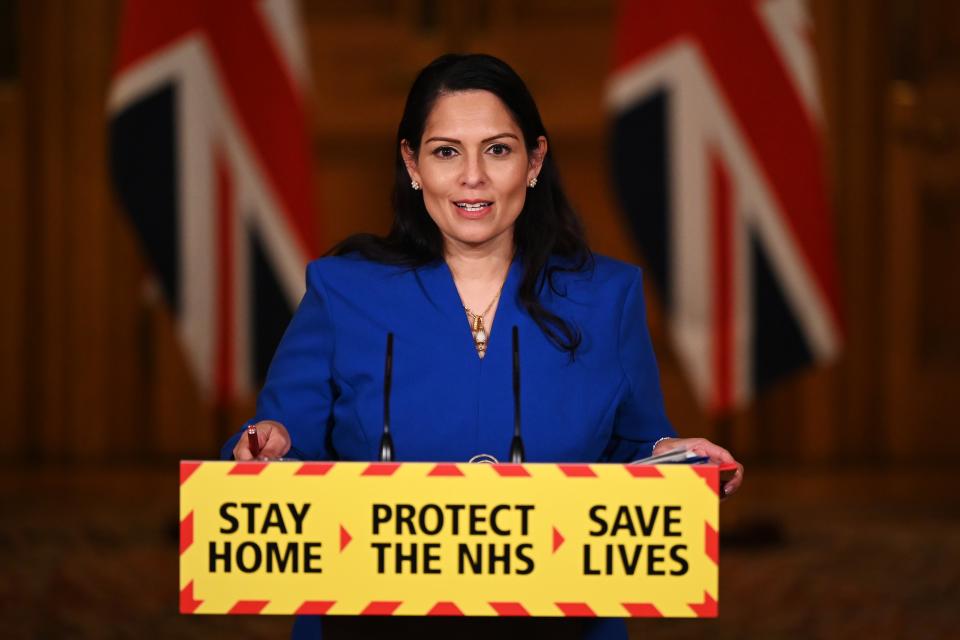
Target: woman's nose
[(473, 171)]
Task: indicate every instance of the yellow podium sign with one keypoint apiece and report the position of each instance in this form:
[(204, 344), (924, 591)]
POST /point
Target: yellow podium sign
[(350, 538)]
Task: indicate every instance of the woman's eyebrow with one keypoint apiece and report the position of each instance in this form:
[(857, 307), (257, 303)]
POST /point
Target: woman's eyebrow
[(484, 141), (500, 135)]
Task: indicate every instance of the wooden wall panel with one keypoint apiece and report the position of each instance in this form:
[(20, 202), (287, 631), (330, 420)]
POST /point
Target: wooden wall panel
[(900, 409), (922, 154), (923, 358), (45, 129), (354, 179), (13, 273), (862, 228), (128, 325), (87, 217)]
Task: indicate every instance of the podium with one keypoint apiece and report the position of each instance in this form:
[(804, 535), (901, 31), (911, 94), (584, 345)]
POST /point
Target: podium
[(423, 539)]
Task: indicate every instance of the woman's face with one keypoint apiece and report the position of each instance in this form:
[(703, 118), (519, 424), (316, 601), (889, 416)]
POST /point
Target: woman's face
[(474, 168)]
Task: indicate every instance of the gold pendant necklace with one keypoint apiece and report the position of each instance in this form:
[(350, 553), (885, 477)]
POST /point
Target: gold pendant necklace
[(477, 329)]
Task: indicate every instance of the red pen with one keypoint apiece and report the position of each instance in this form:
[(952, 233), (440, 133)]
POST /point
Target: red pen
[(253, 440)]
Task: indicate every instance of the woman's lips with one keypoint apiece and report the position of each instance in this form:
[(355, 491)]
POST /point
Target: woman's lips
[(473, 209)]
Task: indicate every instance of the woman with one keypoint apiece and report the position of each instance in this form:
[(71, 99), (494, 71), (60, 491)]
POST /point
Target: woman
[(483, 240)]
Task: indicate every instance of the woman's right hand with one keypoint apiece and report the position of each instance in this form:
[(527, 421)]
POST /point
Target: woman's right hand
[(274, 441)]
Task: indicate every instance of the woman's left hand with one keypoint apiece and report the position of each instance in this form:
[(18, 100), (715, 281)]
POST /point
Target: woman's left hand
[(703, 447)]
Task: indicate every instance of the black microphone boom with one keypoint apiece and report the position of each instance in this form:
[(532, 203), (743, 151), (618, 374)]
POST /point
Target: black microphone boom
[(516, 445), (386, 441)]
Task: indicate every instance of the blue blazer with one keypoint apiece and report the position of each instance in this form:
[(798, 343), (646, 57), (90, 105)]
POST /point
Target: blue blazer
[(325, 383)]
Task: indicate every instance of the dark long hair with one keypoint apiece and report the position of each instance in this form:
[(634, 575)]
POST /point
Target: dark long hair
[(546, 227)]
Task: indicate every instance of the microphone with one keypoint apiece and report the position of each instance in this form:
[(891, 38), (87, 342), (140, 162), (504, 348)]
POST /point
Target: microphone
[(386, 441), (516, 445)]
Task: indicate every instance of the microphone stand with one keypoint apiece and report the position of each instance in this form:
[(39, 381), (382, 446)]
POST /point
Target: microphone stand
[(516, 445), (386, 441)]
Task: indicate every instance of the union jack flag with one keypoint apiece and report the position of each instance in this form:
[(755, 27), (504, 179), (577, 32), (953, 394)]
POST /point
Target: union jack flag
[(210, 158), (718, 164)]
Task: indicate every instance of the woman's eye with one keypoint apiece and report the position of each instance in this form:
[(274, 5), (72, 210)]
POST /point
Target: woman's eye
[(444, 152), (499, 149)]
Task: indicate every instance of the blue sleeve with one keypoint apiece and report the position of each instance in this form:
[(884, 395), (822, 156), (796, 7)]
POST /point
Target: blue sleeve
[(641, 419), (300, 391)]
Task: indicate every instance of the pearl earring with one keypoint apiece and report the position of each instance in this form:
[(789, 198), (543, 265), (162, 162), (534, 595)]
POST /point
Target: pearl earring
[(533, 182), (415, 185)]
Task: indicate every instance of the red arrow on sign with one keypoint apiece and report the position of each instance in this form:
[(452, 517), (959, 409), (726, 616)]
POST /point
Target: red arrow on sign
[(557, 539)]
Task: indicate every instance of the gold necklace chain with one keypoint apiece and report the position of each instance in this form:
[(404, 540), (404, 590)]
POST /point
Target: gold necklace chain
[(477, 329)]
